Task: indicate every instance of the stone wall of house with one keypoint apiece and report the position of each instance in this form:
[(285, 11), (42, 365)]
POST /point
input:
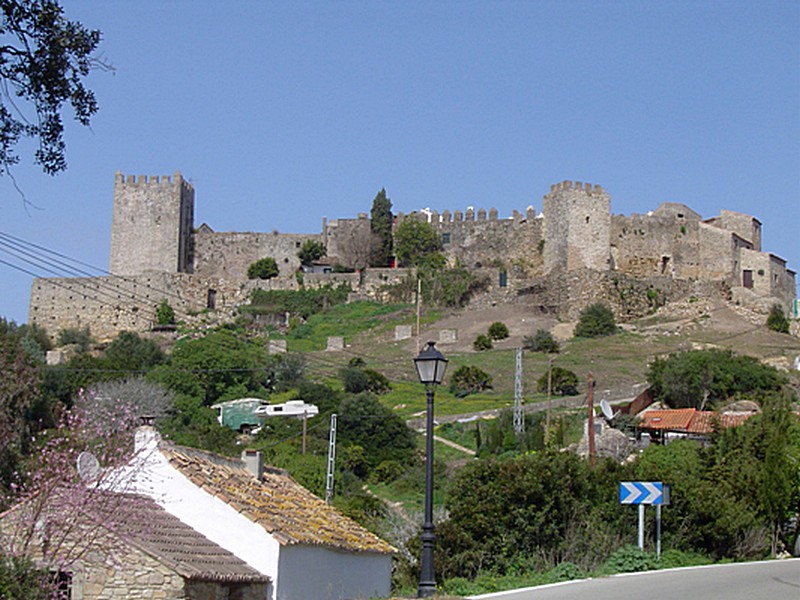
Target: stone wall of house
[(745, 226), (201, 590), (152, 224), (717, 254), (350, 242), (651, 246), (115, 571)]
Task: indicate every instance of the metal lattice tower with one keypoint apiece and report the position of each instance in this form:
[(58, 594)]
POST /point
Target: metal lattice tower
[(331, 461), (519, 416)]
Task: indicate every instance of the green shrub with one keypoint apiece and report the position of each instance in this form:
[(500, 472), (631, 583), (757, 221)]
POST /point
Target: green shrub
[(264, 268), (356, 379), (482, 342), (300, 303), (469, 380), (21, 579), (565, 571), (628, 559), (777, 320), (595, 320), (696, 378), (165, 315), (310, 251), (387, 471), (74, 335), (498, 331), (541, 341), (563, 382)]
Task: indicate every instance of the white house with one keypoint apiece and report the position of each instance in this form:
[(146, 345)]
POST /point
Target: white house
[(306, 548)]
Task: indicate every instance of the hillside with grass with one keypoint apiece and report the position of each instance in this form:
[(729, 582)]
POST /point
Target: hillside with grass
[(370, 384)]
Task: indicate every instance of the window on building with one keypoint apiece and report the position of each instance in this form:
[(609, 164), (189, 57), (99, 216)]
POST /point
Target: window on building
[(63, 585), (211, 299), (445, 238)]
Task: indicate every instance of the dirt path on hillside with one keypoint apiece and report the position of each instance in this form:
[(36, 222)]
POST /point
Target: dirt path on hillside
[(471, 322)]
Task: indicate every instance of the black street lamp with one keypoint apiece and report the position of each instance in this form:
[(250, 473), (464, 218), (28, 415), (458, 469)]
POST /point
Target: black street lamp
[(431, 365)]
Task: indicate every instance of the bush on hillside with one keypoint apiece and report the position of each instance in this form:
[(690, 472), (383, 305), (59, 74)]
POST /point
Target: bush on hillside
[(777, 320), (482, 342), (73, 335), (563, 382), (700, 378), (595, 320), (498, 331), (541, 341), (468, 380)]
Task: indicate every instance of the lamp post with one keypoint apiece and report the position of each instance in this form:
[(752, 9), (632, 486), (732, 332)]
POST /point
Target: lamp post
[(431, 365)]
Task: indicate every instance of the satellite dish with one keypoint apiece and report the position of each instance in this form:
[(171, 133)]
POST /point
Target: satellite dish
[(608, 413), (88, 467)]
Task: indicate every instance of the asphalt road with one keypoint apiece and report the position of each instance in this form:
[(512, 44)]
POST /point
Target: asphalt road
[(769, 580)]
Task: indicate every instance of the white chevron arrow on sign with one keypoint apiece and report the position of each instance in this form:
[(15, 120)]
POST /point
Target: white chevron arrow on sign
[(641, 492)]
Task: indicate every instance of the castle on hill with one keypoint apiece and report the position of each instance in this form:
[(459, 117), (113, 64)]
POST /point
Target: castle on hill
[(571, 254)]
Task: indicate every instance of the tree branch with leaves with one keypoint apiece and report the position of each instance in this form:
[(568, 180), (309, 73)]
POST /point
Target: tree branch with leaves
[(44, 61)]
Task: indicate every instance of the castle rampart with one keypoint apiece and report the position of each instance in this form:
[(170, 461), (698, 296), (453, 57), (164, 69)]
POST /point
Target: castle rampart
[(572, 254), (229, 254)]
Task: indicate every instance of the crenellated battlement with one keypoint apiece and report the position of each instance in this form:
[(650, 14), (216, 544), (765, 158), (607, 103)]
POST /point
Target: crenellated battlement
[(151, 180), (470, 215), (588, 188)]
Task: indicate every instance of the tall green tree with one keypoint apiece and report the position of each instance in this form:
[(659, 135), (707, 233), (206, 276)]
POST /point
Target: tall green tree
[(595, 320), (263, 268), (381, 220), (44, 61), (218, 366), (699, 378), (310, 251), (367, 423), (416, 242)]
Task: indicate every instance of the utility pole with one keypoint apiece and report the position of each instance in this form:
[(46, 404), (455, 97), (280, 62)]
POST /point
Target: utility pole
[(590, 432), (519, 415), (419, 303), (549, 398), (331, 461), (305, 429)]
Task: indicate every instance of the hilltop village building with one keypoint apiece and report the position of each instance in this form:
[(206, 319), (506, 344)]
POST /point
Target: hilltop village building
[(571, 254)]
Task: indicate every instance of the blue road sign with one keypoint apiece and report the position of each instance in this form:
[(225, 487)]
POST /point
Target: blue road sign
[(643, 492)]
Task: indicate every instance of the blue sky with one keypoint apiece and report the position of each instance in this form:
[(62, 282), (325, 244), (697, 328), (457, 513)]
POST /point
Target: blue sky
[(282, 113)]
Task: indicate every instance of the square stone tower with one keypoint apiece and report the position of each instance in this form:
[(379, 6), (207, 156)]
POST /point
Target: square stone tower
[(152, 225), (577, 223)]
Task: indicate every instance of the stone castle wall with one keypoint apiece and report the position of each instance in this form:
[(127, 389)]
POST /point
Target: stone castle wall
[(228, 255), (574, 248)]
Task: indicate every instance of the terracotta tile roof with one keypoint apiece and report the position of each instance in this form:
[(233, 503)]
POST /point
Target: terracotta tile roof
[(280, 505), (667, 419), (691, 420), (189, 553)]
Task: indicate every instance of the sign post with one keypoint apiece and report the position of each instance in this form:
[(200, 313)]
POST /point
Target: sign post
[(643, 493)]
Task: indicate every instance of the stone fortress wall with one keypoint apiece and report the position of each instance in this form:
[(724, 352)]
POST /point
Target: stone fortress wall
[(573, 253)]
